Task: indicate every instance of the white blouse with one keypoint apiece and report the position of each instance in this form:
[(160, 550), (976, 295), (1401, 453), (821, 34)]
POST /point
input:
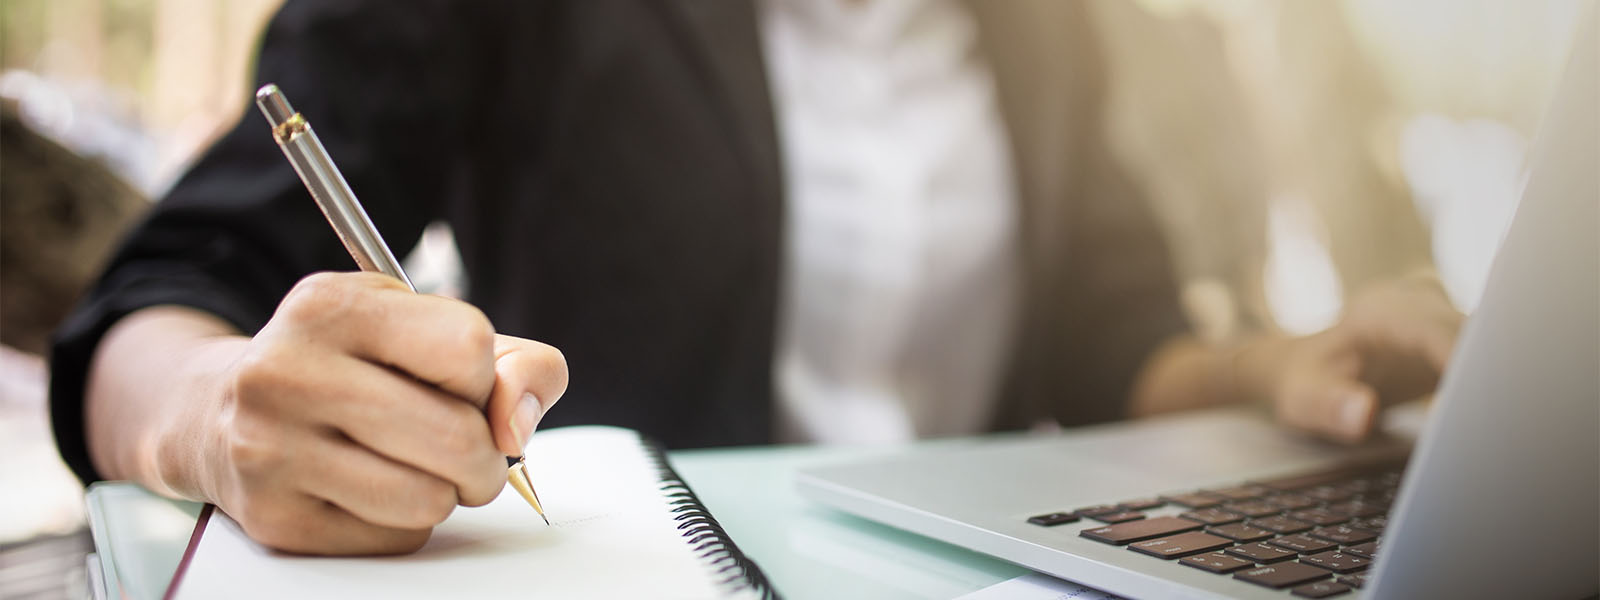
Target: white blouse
[(901, 271)]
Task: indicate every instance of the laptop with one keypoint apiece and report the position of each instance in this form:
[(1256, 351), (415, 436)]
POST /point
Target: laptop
[(1498, 495)]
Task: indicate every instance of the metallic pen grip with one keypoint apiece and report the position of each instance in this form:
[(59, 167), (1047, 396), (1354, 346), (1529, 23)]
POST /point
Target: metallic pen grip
[(327, 186)]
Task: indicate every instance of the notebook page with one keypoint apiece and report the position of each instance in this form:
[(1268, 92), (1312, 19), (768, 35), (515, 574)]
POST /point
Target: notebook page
[(611, 536)]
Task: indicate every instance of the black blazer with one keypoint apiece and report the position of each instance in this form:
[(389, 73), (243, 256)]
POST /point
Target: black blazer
[(611, 172)]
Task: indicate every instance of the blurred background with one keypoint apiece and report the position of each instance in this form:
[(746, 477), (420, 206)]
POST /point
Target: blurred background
[(1295, 151)]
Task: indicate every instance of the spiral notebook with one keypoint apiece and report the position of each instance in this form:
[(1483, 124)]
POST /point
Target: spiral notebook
[(623, 524)]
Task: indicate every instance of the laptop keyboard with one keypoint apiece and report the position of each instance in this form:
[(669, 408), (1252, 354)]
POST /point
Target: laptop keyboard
[(1313, 535)]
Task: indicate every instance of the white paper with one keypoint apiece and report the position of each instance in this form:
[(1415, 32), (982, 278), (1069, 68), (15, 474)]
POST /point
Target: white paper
[(1036, 586), (611, 536)]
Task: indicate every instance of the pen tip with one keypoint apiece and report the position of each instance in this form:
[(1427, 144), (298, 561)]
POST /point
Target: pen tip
[(546, 519)]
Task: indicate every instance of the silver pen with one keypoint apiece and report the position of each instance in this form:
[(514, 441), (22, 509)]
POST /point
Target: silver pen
[(338, 203)]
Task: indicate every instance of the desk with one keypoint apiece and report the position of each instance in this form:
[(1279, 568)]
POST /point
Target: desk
[(806, 550), (810, 551)]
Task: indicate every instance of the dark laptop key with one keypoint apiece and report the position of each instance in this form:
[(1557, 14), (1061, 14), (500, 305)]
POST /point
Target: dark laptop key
[(1142, 504), (1180, 545), (1280, 524), (1384, 471), (1321, 589), (1292, 501), (1379, 489), (1384, 502), (1263, 553), (1370, 523), (1390, 478), (1118, 517), (1138, 531), (1344, 535), (1242, 492), (1101, 509), (1356, 508), (1329, 493), (1239, 532), (1251, 508), (1282, 575), (1194, 500), (1356, 581), (1052, 519), (1360, 486), (1212, 516), (1368, 550), (1338, 562), (1216, 562), (1321, 517), (1303, 544)]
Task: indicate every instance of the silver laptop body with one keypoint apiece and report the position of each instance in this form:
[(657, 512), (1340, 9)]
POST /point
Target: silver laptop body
[(1501, 495)]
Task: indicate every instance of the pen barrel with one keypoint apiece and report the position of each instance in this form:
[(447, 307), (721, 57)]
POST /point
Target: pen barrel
[(327, 185), (338, 203)]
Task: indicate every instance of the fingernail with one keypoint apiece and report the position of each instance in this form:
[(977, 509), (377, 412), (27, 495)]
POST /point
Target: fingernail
[(524, 418)]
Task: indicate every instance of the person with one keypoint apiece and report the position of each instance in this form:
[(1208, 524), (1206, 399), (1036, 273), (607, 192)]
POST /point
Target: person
[(739, 222)]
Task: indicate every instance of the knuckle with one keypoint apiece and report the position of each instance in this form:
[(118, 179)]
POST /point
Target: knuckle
[(433, 502), (258, 375), (250, 456), (473, 333), (247, 444), (273, 526), (321, 296), (486, 477), (478, 469), (486, 486), (314, 291), (253, 377), (321, 279), (466, 348), (550, 358), (404, 541), (464, 433), (551, 362)]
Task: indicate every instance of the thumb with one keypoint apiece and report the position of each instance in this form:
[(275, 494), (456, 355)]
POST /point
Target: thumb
[(529, 377), (1343, 410)]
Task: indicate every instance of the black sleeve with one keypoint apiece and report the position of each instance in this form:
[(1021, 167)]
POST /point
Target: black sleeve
[(383, 84)]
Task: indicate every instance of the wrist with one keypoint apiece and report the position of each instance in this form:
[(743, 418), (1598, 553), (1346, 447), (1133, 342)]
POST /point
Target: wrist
[(186, 456)]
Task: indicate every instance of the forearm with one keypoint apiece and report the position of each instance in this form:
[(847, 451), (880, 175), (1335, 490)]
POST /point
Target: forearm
[(1186, 373), (155, 385)]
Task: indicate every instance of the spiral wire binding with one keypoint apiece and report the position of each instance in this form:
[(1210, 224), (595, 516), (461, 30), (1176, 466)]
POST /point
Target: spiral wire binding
[(711, 543)]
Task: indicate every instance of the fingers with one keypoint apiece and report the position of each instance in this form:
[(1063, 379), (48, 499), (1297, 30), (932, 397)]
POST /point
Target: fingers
[(312, 526), (364, 413), (395, 416), (447, 343), (529, 378), (1321, 391), (412, 423), (274, 463), (375, 489), (1340, 411), (1325, 398)]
